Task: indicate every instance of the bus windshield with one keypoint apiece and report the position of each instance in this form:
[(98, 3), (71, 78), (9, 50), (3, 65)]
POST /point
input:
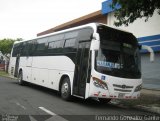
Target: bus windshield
[(118, 54)]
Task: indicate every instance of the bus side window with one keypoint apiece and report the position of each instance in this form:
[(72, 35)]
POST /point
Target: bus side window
[(17, 49), (72, 34), (85, 35), (31, 47), (41, 46), (25, 49), (55, 47), (70, 42), (70, 45), (55, 44)]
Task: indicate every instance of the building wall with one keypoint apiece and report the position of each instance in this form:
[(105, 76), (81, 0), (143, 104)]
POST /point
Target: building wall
[(150, 70), (101, 19), (140, 28)]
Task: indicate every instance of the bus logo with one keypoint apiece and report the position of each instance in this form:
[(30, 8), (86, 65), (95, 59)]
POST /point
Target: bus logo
[(124, 86)]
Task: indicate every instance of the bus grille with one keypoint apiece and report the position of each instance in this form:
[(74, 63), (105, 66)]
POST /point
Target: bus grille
[(122, 88)]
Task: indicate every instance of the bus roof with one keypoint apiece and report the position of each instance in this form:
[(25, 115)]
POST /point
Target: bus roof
[(92, 25)]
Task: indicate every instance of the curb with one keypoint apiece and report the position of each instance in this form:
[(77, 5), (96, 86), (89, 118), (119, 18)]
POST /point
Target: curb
[(154, 89), (11, 77), (152, 109)]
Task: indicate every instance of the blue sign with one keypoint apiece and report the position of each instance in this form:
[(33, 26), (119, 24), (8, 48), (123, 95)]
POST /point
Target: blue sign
[(103, 77), (152, 41), (106, 7)]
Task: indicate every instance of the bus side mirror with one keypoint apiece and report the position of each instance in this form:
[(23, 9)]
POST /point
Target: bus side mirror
[(149, 50), (95, 43)]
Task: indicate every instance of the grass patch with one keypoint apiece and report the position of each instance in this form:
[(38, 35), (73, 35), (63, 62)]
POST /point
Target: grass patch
[(3, 73)]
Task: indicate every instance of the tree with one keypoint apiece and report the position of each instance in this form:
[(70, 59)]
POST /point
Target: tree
[(6, 45), (132, 9)]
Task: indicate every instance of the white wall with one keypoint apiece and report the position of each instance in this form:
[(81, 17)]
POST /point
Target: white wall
[(140, 28)]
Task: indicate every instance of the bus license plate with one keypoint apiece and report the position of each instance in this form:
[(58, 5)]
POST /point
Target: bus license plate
[(121, 95)]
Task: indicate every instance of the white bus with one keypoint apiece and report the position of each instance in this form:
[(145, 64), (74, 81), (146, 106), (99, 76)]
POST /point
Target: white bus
[(91, 60)]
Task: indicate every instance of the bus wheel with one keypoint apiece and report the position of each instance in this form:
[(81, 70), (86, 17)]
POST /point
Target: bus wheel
[(20, 78), (104, 100), (66, 89)]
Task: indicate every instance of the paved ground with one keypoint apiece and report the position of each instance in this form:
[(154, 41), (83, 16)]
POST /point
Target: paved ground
[(37, 103)]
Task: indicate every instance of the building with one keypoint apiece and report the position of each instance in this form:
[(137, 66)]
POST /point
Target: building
[(147, 33), (93, 17)]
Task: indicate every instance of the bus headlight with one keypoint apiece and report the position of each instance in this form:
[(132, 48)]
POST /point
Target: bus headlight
[(99, 83), (138, 88)]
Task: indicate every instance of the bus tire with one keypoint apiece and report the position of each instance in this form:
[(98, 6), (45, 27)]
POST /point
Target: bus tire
[(104, 100), (20, 78), (66, 89)]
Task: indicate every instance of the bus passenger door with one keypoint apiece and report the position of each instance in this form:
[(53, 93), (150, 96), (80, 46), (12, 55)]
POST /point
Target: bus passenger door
[(81, 69), (17, 65)]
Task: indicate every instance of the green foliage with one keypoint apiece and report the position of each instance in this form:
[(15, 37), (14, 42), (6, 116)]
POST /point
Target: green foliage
[(3, 73), (133, 9), (6, 45)]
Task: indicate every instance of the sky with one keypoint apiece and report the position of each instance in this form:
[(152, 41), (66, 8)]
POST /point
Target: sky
[(25, 18)]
